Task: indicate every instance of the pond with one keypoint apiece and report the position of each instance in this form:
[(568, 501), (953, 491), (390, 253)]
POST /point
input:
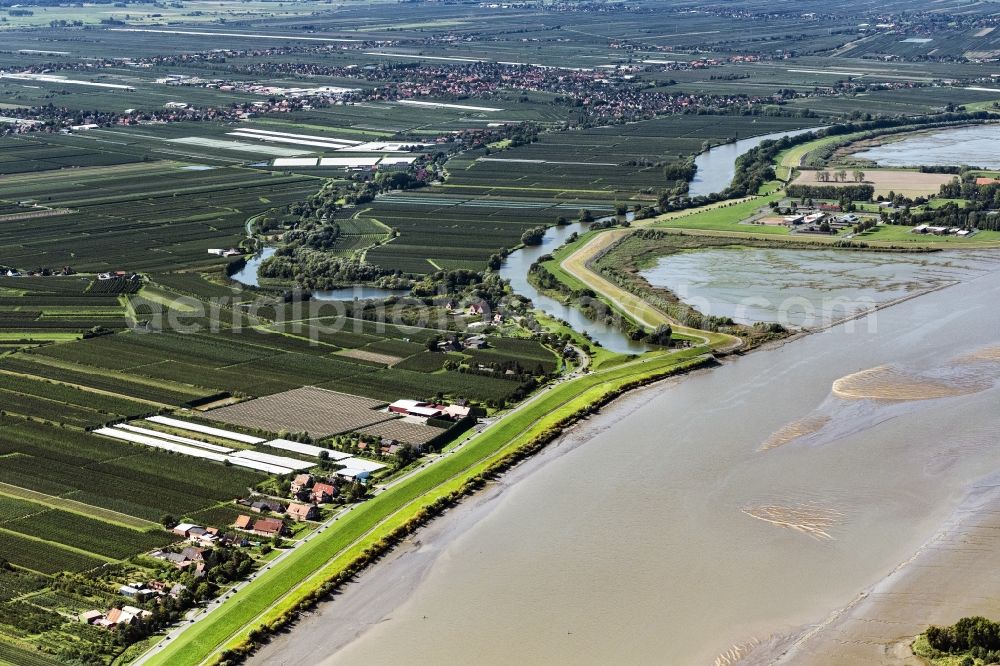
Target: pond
[(248, 276), (978, 145), (803, 288)]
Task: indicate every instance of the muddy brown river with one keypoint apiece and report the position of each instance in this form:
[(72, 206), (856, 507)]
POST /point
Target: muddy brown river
[(738, 514)]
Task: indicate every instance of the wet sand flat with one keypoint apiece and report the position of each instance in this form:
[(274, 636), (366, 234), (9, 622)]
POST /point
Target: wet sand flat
[(956, 574)]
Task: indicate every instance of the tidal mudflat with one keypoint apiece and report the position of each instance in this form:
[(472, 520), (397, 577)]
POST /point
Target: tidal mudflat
[(975, 146), (804, 288)]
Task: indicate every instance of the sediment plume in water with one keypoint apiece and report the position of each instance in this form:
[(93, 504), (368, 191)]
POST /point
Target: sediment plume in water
[(809, 519), (794, 430), (887, 383)]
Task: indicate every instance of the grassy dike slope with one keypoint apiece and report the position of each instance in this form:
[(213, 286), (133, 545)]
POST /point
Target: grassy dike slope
[(307, 567), (572, 264)]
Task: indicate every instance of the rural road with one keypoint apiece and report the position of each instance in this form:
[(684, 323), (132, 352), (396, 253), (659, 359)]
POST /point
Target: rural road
[(644, 313), (206, 610)]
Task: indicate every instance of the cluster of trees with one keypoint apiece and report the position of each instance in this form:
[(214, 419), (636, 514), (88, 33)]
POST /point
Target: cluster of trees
[(683, 171), (533, 236), (316, 269), (840, 176), (981, 209), (977, 635), (753, 169), (865, 225), (864, 192), (987, 196)]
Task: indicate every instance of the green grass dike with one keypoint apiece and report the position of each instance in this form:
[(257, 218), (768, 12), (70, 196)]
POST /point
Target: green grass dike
[(315, 568)]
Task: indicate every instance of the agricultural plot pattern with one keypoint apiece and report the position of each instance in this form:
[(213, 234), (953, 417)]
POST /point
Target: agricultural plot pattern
[(319, 412), (73, 501), (156, 215), (403, 430), (56, 304)]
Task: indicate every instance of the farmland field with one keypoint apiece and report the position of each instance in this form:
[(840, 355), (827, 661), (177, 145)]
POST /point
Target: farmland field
[(154, 154), (156, 215), (403, 431), (317, 412), (449, 232), (124, 478), (908, 183)]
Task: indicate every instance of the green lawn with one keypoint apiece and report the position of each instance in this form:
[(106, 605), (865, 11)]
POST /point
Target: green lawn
[(726, 218), (599, 356)]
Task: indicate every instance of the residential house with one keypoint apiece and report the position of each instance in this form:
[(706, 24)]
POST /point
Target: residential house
[(300, 512), (243, 522), (475, 342), (123, 615), (177, 560), (323, 492), (351, 474), (301, 482), (197, 532), (273, 506), (268, 527), (135, 591), (457, 411), (183, 529), (194, 554), (91, 616)]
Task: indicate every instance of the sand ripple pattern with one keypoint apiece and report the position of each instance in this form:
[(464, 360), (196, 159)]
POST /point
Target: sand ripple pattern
[(887, 383), (794, 430), (984, 355), (811, 519), (736, 653)]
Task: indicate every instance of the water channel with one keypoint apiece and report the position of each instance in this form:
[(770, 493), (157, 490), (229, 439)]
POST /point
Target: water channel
[(716, 168)]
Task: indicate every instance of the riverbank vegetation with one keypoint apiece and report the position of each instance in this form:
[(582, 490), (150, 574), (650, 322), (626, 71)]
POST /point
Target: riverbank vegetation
[(972, 641)]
